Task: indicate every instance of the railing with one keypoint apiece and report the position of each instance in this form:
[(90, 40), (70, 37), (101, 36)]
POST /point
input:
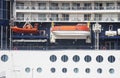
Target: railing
[(67, 8)]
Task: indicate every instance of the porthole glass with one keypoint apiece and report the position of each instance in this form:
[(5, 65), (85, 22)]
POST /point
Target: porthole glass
[(4, 58), (53, 70), (64, 70), (27, 69), (111, 70), (99, 58), (87, 70), (87, 58), (53, 58), (76, 58), (111, 59), (76, 70), (39, 70), (99, 70), (64, 58)]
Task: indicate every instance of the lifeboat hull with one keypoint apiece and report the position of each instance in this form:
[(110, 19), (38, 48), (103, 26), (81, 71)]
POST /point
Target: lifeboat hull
[(71, 34), (24, 30)]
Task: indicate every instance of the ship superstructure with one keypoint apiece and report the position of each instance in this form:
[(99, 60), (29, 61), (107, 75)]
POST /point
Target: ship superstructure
[(50, 13)]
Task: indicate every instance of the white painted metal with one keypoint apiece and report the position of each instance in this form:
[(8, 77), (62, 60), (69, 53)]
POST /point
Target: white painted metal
[(19, 60)]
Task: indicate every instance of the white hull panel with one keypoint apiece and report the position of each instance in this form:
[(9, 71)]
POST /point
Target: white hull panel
[(19, 60), (71, 34)]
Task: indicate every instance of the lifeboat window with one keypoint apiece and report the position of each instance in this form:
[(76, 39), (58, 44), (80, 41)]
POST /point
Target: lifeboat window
[(99, 58), (111, 59), (4, 58), (111, 70), (27, 70), (53, 70), (76, 70), (76, 58), (39, 70), (87, 58), (64, 70), (64, 58), (87, 70), (53, 58), (99, 70)]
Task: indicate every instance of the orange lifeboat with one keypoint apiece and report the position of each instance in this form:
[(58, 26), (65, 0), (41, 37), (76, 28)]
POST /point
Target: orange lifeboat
[(79, 27), (27, 28)]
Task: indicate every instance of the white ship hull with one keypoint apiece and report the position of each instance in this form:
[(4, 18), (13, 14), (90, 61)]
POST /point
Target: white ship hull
[(18, 61)]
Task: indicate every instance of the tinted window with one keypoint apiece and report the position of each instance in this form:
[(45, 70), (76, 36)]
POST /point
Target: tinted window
[(111, 70), (76, 70), (27, 69), (53, 58), (99, 70), (87, 58), (87, 70), (111, 59), (99, 58), (39, 70), (52, 70), (76, 58), (64, 70), (64, 58), (4, 58)]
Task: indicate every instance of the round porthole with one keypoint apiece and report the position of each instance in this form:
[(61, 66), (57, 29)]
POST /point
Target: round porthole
[(53, 58), (111, 59), (76, 58), (87, 70), (99, 70), (99, 58), (87, 58), (39, 70), (111, 70), (53, 70), (64, 58), (27, 69), (64, 70), (76, 70), (4, 58)]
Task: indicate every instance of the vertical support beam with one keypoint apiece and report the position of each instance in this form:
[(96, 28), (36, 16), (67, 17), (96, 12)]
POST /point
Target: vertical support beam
[(6, 36), (1, 37)]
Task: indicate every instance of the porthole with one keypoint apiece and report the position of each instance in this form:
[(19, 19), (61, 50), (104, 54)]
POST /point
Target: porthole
[(64, 70), (99, 70), (99, 58), (4, 58), (27, 69), (39, 70), (87, 58), (87, 70), (53, 58), (111, 59), (76, 58), (111, 70), (76, 70), (64, 58), (53, 70)]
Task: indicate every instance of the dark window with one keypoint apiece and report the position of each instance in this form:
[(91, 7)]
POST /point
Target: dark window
[(27, 69), (64, 70), (111, 70), (39, 70), (4, 58), (87, 70), (64, 58), (87, 58), (52, 70), (76, 58), (53, 58), (99, 58), (76, 70), (99, 70), (111, 59)]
